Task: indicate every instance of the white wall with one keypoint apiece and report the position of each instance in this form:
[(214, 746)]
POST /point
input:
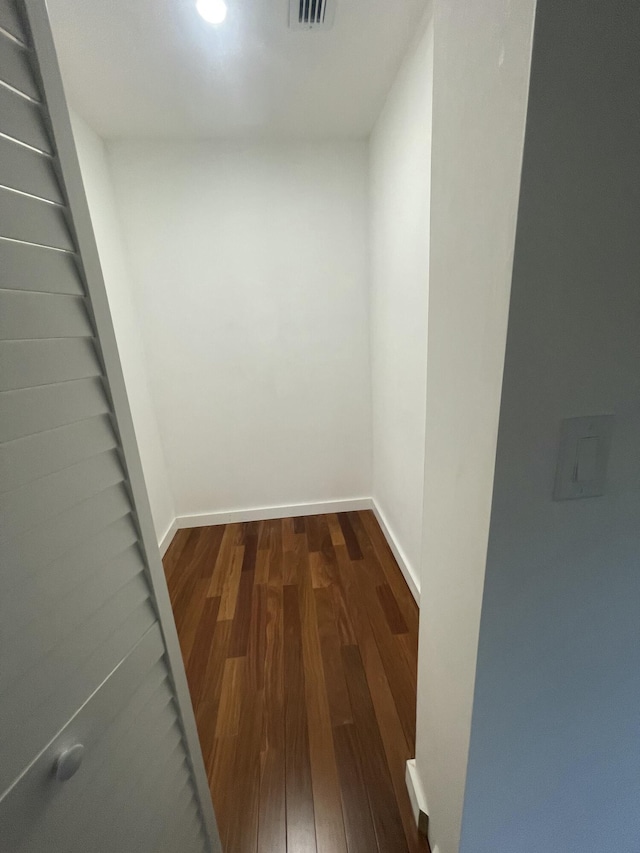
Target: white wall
[(481, 67), (249, 266), (106, 226), (555, 749), (400, 178)]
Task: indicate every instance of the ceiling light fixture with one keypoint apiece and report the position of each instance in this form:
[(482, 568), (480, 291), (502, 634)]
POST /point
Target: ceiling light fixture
[(213, 11)]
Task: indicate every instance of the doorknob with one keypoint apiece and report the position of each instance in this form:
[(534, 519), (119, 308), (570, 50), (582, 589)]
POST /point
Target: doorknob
[(68, 762)]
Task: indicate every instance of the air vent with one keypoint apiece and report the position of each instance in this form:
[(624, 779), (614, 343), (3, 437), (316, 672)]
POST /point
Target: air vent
[(311, 14)]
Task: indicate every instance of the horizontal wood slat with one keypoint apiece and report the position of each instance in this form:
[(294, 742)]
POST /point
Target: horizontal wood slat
[(42, 703), (10, 20), (27, 459), (31, 363), (82, 657), (32, 410), (15, 68), (25, 170), (35, 503), (42, 315), (33, 221), (134, 765), (28, 267), (44, 544), (21, 119), (44, 629), (113, 543)]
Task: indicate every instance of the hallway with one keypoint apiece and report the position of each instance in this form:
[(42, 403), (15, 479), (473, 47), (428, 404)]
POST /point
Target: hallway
[(299, 638)]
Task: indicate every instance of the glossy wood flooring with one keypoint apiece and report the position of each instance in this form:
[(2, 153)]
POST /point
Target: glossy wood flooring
[(300, 643)]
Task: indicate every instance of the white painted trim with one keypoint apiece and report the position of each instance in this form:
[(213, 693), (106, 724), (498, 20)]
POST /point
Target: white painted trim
[(79, 221), (405, 566), (206, 519), (165, 541), (416, 795)]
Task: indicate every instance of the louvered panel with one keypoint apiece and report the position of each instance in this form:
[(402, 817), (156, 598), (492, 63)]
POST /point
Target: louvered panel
[(46, 407), (29, 363), (21, 119), (81, 653), (15, 68), (61, 577), (41, 703), (42, 315), (133, 791), (141, 783), (26, 170), (186, 833), (33, 221), (45, 629), (36, 503), (10, 20), (42, 545), (28, 267), (27, 459)]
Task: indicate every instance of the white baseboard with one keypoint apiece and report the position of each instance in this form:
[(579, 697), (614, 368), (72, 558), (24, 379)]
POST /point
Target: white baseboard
[(416, 796), (163, 544), (206, 519), (405, 567)]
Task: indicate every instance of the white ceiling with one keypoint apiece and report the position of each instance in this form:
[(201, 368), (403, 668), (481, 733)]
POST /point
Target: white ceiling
[(154, 68)]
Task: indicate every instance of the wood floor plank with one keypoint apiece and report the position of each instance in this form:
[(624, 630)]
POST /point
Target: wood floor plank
[(311, 525), (207, 703), (239, 642), (301, 832), (257, 637), (191, 614), (395, 743), (390, 608), (330, 644), (351, 541), (242, 833), (358, 821), (330, 836), (172, 556), (374, 568), (395, 667), (395, 579), (335, 530), (250, 542), (343, 618), (231, 584), (295, 554), (184, 578), (220, 770), (301, 654), (270, 554), (230, 539), (322, 558), (198, 660), (384, 809), (272, 833), (234, 678), (214, 541)]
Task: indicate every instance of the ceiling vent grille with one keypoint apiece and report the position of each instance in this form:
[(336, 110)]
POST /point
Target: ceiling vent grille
[(311, 14)]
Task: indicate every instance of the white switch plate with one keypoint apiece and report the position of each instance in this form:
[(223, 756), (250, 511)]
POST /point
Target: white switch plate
[(582, 458)]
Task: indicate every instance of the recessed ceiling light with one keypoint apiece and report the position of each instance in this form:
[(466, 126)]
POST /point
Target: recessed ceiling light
[(213, 11)]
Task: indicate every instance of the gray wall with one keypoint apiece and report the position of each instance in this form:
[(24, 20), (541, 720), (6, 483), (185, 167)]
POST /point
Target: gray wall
[(554, 760)]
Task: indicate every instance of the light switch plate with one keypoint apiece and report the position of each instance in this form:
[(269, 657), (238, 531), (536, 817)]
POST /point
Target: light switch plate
[(581, 471)]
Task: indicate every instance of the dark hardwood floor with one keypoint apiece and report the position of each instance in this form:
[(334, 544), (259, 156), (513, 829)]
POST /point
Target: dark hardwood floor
[(300, 642)]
